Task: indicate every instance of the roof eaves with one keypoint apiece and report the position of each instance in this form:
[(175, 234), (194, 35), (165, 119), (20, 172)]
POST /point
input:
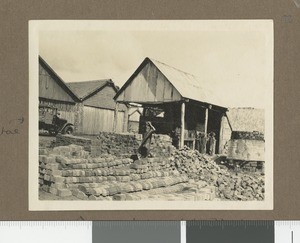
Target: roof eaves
[(96, 90)]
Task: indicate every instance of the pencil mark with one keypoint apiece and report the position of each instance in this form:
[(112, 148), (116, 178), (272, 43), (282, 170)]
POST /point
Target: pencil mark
[(12, 131), (20, 120)]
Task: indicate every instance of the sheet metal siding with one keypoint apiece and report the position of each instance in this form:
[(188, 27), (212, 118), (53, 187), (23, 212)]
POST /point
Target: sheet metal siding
[(96, 120), (50, 89), (149, 85)]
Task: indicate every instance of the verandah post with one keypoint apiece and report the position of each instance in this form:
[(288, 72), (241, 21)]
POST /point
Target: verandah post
[(182, 125)]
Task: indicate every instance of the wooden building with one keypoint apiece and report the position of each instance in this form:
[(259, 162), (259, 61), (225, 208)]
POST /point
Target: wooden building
[(88, 105), (98, 110), (173, 101), (53, 91)]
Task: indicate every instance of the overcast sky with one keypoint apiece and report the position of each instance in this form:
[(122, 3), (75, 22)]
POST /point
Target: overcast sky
[(231, 63)]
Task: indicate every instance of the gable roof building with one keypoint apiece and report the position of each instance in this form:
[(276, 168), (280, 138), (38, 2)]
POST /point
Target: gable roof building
[(171, 84), (96, 93), (186, 103), (89, 105), (85, 89)]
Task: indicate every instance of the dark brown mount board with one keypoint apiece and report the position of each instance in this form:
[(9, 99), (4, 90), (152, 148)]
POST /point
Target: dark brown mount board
[(14, 17)]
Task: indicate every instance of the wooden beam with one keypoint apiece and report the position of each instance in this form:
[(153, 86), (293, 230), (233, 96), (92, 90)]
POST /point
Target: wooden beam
[(182, 125), (116, 117)]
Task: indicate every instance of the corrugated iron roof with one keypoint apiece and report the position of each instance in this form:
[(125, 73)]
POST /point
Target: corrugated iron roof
[(85, 88), (88, 90), (188, 85), (246, 119)]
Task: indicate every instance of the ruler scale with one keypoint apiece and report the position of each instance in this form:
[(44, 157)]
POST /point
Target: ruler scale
[(210, 231)]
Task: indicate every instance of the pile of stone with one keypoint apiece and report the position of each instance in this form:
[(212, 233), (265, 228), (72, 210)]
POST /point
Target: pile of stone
[(161, 145), (70, 170), (110, 174), (229, 185), (115, 144)]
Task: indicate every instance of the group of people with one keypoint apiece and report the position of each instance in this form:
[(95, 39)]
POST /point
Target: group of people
[(204, 143)]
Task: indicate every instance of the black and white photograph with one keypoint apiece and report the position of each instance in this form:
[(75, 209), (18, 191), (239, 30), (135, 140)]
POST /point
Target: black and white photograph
[(151, 115)]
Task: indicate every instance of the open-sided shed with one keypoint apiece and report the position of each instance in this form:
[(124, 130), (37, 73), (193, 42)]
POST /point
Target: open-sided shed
[(173, 101)]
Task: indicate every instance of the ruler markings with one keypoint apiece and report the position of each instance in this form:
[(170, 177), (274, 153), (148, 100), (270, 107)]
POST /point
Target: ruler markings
[(76, 231)]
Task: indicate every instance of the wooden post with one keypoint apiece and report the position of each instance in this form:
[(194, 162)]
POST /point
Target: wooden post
[(221, 135), (125, 124), (205, 121), (205, 129), (116, 117), (182, 125)]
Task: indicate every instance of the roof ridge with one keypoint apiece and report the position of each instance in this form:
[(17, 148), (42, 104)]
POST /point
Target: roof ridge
[(106, 79), (152, 59)]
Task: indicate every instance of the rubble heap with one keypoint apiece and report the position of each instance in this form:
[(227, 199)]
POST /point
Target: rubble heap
[(93, 170), (229, 185)]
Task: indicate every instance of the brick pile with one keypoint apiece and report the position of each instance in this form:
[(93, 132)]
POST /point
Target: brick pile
[(65, 140), (110, 174), (161, 145), (229, 185), (70, 170), (120, 145), (115, 144)]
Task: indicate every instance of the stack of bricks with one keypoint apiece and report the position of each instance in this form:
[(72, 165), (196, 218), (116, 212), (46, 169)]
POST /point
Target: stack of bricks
[(70, 170), (253, 166), (120, 145), (161, 145), (65, 140)]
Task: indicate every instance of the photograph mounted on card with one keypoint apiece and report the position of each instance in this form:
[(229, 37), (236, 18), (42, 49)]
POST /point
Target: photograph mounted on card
[(151, 115)]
